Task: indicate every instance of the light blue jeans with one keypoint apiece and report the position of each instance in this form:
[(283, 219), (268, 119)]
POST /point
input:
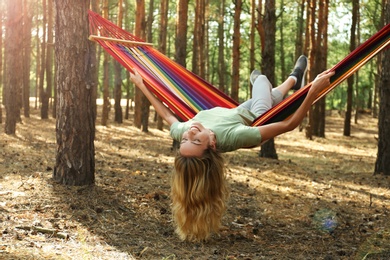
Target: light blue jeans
[(263, 98)]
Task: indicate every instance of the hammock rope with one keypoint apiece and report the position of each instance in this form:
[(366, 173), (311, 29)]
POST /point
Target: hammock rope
[(185, 93)]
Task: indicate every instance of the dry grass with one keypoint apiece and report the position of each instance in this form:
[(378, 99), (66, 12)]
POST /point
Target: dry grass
[(319, 201)]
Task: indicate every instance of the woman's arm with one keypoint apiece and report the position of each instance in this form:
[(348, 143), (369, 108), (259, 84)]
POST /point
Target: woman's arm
[(274, 129), (160, 108)]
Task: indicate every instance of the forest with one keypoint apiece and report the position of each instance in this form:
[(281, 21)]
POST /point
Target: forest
[(86, 162)]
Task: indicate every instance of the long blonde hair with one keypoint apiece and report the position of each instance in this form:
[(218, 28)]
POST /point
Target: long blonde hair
[(199, 193)]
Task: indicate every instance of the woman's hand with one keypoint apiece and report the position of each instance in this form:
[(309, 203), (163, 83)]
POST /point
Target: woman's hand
[(321, 82), (137, 79)]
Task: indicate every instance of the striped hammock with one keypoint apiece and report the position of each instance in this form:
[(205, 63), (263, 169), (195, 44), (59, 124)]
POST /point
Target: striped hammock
[(186, 94)]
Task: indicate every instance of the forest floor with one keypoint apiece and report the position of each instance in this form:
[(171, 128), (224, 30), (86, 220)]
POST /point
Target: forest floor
[(320, 200)]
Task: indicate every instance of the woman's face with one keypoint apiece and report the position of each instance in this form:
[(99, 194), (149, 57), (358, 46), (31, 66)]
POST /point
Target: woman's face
[(196, 140)]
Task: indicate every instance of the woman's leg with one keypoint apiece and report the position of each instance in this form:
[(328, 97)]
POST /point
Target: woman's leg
[(281, 91), (261, 100)]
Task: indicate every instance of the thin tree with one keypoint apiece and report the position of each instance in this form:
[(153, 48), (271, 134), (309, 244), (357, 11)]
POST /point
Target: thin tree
[(43, 93), (221, 48), (14, 65), (350, 80), (199, 43), (382, 164), (49, 60), (106, 77), (252, 37), (75, 123), (181, 32), (311, 47), (141, 112), (320, 64), (118, 117), (268, 64), (1, 62), (236, 49), (162, 42), (27, 50)]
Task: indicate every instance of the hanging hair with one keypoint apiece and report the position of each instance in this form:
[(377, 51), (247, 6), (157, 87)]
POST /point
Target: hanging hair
[(199, 193)]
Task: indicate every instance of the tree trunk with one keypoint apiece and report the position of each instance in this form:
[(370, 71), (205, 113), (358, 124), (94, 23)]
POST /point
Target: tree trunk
[(1, 70), (181, 33), (252, 46), (321, 47), (49, 59), (75, 123), (118, 75), (106, 93), (14, 65), (382, 164), (181, 41), (199, 43), (43, 95), (350, 80), (221, 48), (268, 64), (162, 40), (311, 48), (27, 50), (236, 50), (141, 109)]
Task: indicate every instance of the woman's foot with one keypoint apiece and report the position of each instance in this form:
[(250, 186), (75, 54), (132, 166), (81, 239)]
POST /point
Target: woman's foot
[(299, 72), (254, 75)]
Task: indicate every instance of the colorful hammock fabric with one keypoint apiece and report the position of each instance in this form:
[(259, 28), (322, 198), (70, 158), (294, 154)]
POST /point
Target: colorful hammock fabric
[(186, 94)]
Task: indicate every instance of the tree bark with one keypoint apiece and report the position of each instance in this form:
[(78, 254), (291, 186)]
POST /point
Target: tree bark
[(106, 94), (198, 59), (75, 122), (221, 48), (118, 117), (162, 40), (27, 50), (236, 50), (382, 164), (350, 80), (268, 64), (43, 98), (49, 59), (181, 32), (14, 65), (141, 111)]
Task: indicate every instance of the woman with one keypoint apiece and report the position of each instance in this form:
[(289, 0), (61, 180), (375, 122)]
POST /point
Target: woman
[(199, 189)]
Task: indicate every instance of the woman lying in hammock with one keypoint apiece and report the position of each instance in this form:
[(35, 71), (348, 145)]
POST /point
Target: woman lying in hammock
[(199, 190)]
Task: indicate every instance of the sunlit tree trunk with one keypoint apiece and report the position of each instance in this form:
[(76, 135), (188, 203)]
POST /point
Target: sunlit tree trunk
[(268, 64), (27, 25), (382, 164), (1, 65), (14, 65), (118, 75), (75, 123), (49, 60), (106, 94), (236, 50), (43, 95)]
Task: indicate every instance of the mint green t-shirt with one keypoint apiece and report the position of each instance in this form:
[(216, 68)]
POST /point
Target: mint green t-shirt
[(231, 127)]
